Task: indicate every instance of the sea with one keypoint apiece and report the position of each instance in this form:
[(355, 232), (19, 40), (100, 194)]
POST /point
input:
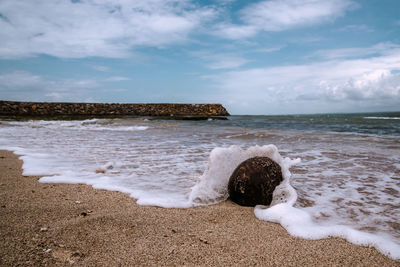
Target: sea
[(341, 171)]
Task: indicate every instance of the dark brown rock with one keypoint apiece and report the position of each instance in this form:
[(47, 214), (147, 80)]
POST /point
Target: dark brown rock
[(12, 108), (253, 181)]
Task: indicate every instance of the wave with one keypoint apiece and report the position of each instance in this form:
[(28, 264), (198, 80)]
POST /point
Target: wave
[(212, 186), (92, 124), (121, 128), (382, 118)]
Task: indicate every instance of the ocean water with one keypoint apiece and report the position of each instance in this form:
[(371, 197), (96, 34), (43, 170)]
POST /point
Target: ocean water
[(341, 171)]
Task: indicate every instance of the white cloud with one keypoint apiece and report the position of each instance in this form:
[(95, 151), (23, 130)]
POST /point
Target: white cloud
[(117, 79), (356, 28), (113, 28), (337, 84), (235, 32), (220, 61), (377, 85), (24, 86), (87, 28), (269, 49), (379, 49), (280, 15), (100, 68)]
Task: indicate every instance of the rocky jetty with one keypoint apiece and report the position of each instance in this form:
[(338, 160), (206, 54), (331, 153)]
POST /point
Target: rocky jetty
[(12, 108), (254, 180)]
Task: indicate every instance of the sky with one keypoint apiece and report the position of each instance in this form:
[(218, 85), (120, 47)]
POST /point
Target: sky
[(254, 57)]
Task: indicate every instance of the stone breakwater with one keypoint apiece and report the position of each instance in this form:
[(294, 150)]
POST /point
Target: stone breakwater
[(12, 108)]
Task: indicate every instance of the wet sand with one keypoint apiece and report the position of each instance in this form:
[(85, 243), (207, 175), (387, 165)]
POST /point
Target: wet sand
[(54, 224)]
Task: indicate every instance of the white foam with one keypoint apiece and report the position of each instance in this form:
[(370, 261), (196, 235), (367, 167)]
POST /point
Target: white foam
[(212, 186), (382, 118), (120, 128), (92, 124), (299, 223), (90, 121)]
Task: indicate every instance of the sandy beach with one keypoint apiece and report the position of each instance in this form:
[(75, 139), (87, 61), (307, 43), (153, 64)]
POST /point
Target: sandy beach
[(54, 224)]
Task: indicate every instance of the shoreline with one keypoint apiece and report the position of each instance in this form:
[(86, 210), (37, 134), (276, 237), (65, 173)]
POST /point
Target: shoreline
[(48, 224)]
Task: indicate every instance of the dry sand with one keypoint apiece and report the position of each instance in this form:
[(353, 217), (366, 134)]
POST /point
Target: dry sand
[(46, 225)]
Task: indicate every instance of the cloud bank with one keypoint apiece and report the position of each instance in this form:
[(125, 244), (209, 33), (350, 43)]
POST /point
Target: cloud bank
[(112, 28), (280, 15), (338, 83), (87, 28), (25, 86)]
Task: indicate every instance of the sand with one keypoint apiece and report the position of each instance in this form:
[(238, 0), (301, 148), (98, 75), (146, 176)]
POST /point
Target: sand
[(55, 224)]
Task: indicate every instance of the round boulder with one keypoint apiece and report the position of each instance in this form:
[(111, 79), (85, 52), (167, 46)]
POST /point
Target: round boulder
[(253, 181)]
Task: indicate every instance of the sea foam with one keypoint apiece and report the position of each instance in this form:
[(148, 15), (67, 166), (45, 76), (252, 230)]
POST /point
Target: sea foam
[(299, 223), (212, 188), (382, 118)]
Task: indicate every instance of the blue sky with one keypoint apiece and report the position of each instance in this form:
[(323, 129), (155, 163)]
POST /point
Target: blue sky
[(254, 57)]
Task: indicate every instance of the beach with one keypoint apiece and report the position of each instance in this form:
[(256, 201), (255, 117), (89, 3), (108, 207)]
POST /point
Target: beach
[(56, 224), (126, 144)]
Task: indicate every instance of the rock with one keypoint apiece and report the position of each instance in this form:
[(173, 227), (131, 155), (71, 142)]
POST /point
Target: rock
[(203, 240), (77, 254), (71, 109), (253, 181)]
